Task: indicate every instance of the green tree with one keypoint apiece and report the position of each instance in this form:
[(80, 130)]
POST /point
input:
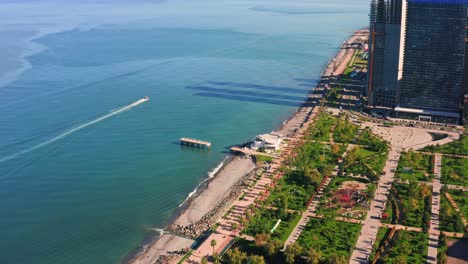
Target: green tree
[(292, 252), (213, 244), (442, 258), (255, 259), (312, 256), (261, 239), (216, 258), (204, 260), (401, 260), (314, 176), (337, 259), (235, 256), (272, 247), (234, 226)]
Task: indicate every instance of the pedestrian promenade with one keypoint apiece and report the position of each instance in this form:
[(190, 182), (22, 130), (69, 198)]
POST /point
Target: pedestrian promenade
[(371, 225), (434, 227)]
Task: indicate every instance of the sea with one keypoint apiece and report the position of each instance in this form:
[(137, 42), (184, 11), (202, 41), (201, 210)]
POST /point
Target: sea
[(88, 171)]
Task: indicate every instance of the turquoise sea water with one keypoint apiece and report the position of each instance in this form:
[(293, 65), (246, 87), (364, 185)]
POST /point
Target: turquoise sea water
[(223, 71)]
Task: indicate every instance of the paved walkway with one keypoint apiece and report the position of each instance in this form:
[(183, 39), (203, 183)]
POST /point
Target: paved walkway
[(443, 154), (385, 225), (224, 234), (434, 227), (372, 223)]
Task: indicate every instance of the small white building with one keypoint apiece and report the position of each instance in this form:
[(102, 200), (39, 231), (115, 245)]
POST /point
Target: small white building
[(268, 142)]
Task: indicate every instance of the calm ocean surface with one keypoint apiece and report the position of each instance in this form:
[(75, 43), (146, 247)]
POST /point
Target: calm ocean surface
[(223, 71)]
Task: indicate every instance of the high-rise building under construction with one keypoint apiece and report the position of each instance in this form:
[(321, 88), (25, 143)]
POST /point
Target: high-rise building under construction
[(384, 49)]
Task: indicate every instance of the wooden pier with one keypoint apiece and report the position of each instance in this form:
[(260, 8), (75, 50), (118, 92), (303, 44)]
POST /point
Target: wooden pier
[(195, 143)]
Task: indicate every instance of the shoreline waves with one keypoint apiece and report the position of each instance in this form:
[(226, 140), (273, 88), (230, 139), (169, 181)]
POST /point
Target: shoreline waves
[(182, 225), (211, 175)]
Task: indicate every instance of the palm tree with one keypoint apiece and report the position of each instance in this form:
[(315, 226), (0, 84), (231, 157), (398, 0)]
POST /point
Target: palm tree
[(255, 259), (216, 258), (213, 244), (337, 260), (251, 207), (235, 256), (204, 260), (247, 214), (234, 226), (272, 247), (313, 256), (291, 252), (261, 239)]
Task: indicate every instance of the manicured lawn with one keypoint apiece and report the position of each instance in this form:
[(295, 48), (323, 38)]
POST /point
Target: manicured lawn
[(455, 171), (377, 162), (285, 228), (345, 131), (407, 247), (321, 129), (265, 219), (461, 199), (450, 221), (365, 161), (369, 159), (416, 203), (316, 155), (290, 194), (363, 153), (370, 140), (414, 166), (330, 237), (459, 147)]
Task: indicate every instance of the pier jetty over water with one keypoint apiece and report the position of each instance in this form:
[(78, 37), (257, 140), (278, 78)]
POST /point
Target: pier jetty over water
[(195, 143)]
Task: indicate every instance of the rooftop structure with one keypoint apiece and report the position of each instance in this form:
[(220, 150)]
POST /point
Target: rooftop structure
[(268, 142)]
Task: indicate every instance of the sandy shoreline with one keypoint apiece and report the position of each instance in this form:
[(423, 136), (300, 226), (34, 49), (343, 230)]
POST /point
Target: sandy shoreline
[(209, 194), (228, 175), (220, 186)]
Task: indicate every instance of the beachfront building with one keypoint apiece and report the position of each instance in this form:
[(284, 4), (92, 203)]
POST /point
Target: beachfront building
[(434, 67), (267, 142), (384, 52)]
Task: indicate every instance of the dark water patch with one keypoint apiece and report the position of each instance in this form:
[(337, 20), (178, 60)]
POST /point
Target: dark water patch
[(251, 99), (246, 93), (260, 87)]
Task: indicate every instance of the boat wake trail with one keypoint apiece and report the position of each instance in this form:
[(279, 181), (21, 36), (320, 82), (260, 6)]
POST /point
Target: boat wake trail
[(75, 129)]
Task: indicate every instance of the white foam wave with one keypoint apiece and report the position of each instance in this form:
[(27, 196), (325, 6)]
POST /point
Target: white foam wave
[(211, 174), (75, 129), (158, 230)]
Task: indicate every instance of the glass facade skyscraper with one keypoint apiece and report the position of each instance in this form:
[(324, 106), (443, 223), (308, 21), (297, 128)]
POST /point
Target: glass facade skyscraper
[(434, 56)]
